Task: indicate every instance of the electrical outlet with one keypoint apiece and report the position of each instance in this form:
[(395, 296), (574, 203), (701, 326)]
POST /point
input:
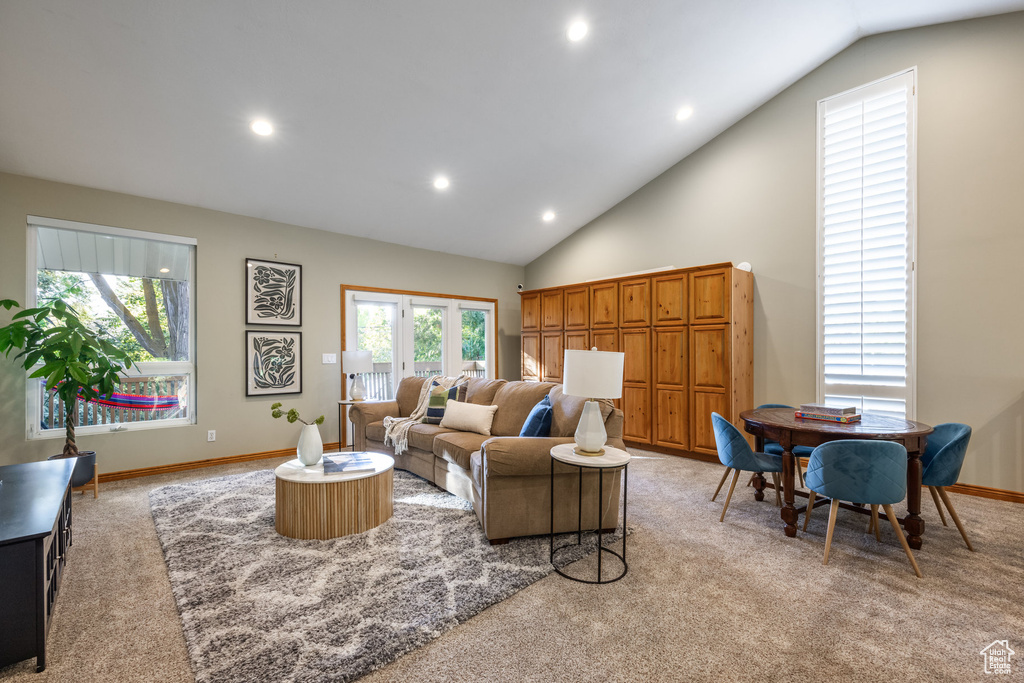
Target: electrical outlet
[(330, 358), (211, 435)]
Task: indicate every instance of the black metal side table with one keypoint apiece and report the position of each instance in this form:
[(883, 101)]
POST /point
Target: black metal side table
[(613, 459)]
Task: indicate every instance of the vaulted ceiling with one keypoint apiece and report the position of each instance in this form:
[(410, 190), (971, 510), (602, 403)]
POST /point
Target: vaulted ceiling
[(371, 101)]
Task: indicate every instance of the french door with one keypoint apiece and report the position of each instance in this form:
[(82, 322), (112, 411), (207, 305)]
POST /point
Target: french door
[(416, 334)]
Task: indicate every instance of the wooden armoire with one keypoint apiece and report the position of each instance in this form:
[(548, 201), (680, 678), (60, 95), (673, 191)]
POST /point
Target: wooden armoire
[(687, 335)]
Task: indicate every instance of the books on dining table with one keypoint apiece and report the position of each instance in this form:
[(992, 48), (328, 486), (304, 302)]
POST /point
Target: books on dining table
[(822, 409), (348, 463), (840, 419)]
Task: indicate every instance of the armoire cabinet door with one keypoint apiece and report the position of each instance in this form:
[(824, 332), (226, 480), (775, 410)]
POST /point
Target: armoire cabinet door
[(636, 409), (604, 305), (531, 356), (551, 309), (577, 308), (671, 418), (670, 300), (577, 340), (709, 357), (671, 360), (705, 403), (552, 347), (635, 303), (530, 304), (709, 296), (605, 340), (636, 344)]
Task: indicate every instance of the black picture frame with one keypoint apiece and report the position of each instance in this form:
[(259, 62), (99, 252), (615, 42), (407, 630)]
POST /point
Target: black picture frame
[(273, 362), (273, 293)]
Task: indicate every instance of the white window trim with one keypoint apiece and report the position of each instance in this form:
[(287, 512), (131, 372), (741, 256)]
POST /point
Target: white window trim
[(910, 393), (151, 368)]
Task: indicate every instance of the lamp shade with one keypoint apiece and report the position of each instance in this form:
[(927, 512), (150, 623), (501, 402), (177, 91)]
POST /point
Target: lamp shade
[(354, 362), (593, 374)]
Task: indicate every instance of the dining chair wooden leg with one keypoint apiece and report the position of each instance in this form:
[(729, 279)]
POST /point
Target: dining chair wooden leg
[(799, 471), (735, 476), (778, 487), (956, 517), (938, 505), (810, 506), (833, 511), (725, 475), (753, 475), (874, 523), (903, 539)]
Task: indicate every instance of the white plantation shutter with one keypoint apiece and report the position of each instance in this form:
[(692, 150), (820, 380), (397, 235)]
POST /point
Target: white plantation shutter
[(865, 247)]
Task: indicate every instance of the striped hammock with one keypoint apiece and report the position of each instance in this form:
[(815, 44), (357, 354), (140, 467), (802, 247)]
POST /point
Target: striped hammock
[(133, 401)]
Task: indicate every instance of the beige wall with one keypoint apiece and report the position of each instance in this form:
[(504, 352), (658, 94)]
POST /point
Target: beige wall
[(243, 424), (749, 195)]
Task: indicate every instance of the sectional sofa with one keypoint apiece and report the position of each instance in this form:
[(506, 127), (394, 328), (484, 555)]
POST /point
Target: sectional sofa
[(507, 477)]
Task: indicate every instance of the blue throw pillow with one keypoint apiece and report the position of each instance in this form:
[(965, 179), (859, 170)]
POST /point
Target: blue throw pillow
[(538, 423)]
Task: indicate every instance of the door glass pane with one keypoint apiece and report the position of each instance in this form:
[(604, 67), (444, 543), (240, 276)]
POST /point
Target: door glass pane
[(428, 340), (375, 331), (474, 343)]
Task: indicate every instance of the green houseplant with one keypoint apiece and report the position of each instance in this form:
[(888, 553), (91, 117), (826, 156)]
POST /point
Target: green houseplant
[(73, 360)]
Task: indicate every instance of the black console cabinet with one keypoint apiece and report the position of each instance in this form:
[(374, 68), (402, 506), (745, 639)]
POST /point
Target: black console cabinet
[(35, 534)]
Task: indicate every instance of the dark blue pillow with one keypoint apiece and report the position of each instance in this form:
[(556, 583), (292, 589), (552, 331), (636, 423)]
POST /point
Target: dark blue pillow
[(538, 423)]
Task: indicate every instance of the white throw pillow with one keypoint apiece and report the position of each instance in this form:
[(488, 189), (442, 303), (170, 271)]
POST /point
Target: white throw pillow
[(468, 417)]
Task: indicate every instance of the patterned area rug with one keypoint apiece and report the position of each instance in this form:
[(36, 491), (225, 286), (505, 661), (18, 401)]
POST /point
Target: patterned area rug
[(256, 606)]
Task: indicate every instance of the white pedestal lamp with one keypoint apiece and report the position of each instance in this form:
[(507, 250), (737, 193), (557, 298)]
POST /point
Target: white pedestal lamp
[(592, 374), (355, 363)]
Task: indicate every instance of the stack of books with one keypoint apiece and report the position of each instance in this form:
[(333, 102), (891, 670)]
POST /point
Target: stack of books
[(819, 411), (348, 462)]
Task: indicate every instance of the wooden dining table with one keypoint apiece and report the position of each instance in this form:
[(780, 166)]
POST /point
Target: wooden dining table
[(781, 424)]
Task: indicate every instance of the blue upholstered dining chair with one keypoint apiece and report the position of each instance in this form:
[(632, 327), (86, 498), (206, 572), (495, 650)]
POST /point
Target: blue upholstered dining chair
[(861, 471), (775, 448), (942, 460), (736, 454)]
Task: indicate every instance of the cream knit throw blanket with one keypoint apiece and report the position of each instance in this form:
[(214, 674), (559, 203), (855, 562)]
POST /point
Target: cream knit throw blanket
[(396, 429)]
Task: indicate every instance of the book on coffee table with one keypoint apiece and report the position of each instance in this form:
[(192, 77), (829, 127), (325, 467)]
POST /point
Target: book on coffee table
[(348, 462)]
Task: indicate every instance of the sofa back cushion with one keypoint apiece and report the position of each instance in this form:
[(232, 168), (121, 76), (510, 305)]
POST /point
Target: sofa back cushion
[(482, 390), (408, 394), (515, 400), (566, 411)]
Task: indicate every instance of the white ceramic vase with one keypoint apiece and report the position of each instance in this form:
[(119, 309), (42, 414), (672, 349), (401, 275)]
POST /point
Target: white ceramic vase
[(311, 447)]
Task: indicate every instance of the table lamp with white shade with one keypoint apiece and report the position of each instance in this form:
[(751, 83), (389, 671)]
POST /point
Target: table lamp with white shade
[(592, 374), (355, 363)]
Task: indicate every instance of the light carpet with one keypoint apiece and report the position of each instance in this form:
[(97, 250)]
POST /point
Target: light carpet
[(256, 605)]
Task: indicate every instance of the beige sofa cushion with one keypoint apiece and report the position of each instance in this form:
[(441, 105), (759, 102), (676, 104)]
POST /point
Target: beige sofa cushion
[(422, 436), (408, 394), (515, 400), (520, 456), (481, 391), (458, 447), (566, 411)]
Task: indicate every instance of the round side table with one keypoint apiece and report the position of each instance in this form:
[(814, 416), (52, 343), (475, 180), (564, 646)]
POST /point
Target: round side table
[(310, 504), (613, 459)]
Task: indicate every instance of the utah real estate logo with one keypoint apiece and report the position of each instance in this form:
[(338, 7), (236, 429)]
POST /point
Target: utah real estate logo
[(997, 657)]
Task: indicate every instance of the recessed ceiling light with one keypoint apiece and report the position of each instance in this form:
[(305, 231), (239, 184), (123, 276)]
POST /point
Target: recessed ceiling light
[(261, 127), (577, 30), (441, 183), (684, 113), (165, 270), (548, 216)]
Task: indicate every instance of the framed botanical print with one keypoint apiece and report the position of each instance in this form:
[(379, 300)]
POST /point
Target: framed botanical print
[(273, 363), (273, 293)]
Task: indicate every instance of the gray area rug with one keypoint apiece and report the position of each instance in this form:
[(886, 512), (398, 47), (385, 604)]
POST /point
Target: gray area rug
[(257, 606)]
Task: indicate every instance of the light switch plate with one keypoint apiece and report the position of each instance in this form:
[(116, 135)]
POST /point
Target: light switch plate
[(330, 358)]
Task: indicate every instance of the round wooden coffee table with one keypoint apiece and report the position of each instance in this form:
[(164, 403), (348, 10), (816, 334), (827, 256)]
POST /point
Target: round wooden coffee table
[(310, 504)]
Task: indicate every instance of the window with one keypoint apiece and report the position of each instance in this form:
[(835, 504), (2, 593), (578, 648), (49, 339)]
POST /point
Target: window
[(137, 290), (419, 334), (866, 246)]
